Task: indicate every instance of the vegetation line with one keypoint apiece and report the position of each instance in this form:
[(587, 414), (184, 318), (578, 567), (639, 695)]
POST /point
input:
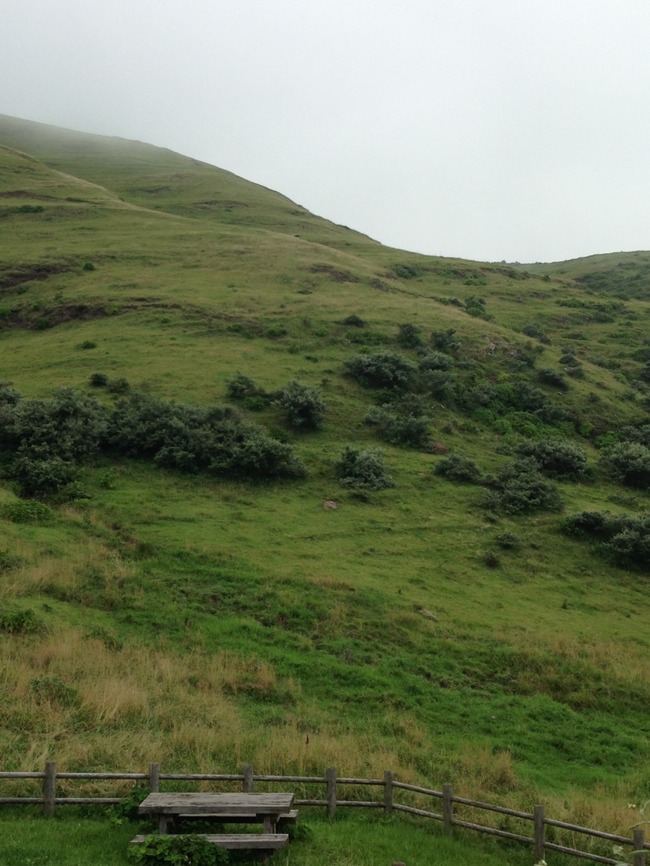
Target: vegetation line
[(331, 780)]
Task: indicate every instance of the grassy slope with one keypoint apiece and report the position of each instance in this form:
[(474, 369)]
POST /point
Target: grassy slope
[(258, 610)]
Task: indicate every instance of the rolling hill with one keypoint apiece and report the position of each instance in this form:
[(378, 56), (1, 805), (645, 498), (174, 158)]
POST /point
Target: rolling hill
[(205, 386)]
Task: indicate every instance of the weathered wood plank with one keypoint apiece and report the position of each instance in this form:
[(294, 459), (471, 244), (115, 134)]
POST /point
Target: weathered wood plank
[(237, 841)]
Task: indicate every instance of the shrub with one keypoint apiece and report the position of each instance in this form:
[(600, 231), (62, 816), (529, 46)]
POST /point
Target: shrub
[(624, 538), (459, 469), (535, 331), (354, 321), (98, 380), (70, 426), (182, 850), (20, 622), (303, 406), (27, 512), (52, 690), (118, 386), (520, 488), (629, 464), (89, 266), (409, 428), (435, 361), (553, 379), (363, 470), (241, 386), (381, 370), (193, 439), (556, 458), (446, 341), (42, 478), (87, 344), (508, 541), (409, 336)]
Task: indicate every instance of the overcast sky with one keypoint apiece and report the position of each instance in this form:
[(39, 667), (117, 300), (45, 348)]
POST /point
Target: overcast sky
[(487, 129)]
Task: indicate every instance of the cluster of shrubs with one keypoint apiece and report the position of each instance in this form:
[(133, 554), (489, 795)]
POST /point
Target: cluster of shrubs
[(363, 470), (624, 538), (525, 484), (45, 441), (404, 423), (626, 457), (303, 406)]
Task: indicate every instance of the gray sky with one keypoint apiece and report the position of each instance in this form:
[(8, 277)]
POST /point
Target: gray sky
[(488, 129)]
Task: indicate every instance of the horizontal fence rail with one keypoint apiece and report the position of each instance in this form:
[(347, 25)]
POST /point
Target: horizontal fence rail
[(447, 812)]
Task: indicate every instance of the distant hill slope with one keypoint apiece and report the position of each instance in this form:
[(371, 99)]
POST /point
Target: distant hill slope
[(355, 506)]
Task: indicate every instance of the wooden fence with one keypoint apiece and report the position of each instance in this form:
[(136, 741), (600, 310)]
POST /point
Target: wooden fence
[(449, 811)]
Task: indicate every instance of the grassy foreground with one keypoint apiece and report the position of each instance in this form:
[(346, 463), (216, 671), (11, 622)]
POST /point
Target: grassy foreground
[(352, 841)]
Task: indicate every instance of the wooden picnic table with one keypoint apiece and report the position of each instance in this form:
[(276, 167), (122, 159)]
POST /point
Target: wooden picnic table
[(266, 809)]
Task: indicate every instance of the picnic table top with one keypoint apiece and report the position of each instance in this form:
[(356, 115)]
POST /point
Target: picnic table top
[(217, 804)]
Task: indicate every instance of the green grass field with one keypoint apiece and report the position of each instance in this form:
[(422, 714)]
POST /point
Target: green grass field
[(204, 621)]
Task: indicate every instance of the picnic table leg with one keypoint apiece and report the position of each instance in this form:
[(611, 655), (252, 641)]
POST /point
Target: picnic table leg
[(269, 823), (162, 824)]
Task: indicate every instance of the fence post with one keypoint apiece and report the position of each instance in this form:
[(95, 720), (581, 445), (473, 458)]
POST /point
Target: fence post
[(248, 778), (49, 789), (154, 777), (538, 822), (388, 791), (330, 777), (447, 809), (638, 841)]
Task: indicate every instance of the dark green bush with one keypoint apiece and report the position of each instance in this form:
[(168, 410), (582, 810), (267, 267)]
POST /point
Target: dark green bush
[(70, 426), (26, 511), (303, 406), (508, 541), (434, 361), (118, 386), (354, 321), (193, 439), (446, 341), (363, 470), (181, 850), (98, 380), (42, 478), (241, 386), (407, 428), (381, 370), (553, 379), (20, 622), (624, 538), (535, 331), (409, 336), (459, 469), (89, 266), (519, 488), (629, 464), (556, 458)]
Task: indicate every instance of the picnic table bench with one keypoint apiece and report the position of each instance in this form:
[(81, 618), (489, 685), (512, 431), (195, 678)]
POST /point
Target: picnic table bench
[(270, 810)]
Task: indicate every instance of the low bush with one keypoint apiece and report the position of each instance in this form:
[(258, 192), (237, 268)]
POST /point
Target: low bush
[(409, 336), (182, 850), (520, 488), (409, 428), (556, 458), (446, 341), (20, 622), (535, 331), (363, 470), (553, 379), (434, 361), (462, 470), (624, 538), (27, 511), (381, 370), (98, 380), (629, 464), (303, 406)]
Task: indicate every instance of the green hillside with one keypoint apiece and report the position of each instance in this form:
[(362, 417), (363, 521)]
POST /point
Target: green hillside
[(207, 586)]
